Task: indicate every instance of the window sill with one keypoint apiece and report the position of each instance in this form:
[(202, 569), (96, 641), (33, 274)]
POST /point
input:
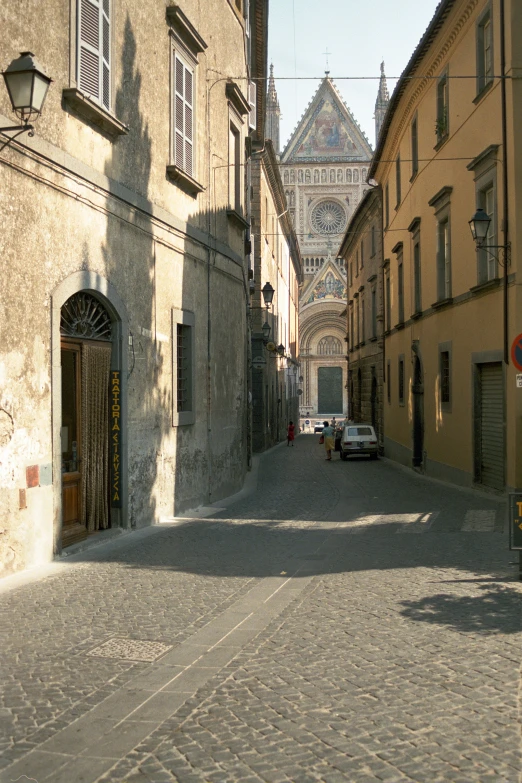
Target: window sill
[(441, 141), (399, 326), (96, 115), (489, 285), (373, 340), (415, 316), (238, 219), (184, 181), (442, 303), (483, 91)]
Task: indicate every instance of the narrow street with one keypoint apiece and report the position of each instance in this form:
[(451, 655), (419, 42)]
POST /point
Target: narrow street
[(344, 621)]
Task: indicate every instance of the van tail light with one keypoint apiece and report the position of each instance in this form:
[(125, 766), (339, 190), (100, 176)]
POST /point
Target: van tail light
[(348, 442), (373, 443)]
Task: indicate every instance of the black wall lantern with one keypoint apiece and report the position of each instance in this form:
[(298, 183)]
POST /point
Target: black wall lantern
[(27, 85)]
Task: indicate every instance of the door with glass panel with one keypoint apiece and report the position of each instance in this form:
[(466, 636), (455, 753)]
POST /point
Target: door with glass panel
[(74, 528)]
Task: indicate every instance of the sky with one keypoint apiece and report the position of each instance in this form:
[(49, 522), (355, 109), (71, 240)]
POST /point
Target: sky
[(360, 34)]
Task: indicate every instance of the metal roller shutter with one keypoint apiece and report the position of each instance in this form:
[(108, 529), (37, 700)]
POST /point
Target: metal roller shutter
[(492, 425)]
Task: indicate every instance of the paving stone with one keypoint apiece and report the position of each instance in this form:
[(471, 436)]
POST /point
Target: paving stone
[(398, 660)]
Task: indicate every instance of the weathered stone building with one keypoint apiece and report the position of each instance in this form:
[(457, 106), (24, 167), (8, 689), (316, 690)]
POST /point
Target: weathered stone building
[(124, 381), (361, 251), (324, 168), (277, 261)]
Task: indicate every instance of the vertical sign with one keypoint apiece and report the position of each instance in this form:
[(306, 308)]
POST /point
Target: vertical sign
[(515, 520), (115, 411)]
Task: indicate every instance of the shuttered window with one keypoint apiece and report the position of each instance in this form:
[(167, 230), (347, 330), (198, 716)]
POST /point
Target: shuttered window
[(252, 99), (183, 116), (94, 53)]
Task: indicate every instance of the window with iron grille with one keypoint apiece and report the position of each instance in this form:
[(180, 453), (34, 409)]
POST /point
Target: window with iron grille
[(183, 110), (94, 50), (183, 380), (444, 376)]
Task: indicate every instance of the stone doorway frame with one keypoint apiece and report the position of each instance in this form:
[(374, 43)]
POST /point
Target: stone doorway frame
[(98, 286)]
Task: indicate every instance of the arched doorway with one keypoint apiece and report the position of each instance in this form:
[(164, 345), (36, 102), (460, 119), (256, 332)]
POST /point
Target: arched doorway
[(418, 412), (86, 343)]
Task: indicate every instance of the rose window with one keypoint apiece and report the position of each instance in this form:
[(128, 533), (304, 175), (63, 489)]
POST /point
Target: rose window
[(328, 217)]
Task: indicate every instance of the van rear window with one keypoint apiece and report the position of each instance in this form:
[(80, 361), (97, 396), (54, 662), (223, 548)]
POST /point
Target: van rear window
[(359, 431)]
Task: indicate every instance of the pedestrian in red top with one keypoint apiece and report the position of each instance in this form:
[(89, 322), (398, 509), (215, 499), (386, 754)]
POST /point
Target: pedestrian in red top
[(290, 434)]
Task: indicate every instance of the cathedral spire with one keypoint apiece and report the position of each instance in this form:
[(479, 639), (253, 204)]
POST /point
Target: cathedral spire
[(273, 113), (381, 104)]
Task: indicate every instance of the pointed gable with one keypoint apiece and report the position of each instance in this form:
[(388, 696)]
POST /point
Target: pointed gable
[(327, 132), (327, 284)]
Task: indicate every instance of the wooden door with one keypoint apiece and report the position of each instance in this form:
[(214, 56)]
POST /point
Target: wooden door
[(73, 526)]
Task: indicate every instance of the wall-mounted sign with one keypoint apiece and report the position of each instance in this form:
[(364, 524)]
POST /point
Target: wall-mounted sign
[(519, 380), (258, 362), (515, 520), (115, 438), (516, 352)]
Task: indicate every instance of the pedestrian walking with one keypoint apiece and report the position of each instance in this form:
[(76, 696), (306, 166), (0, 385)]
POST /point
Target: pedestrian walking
[(329, 442), (290, 434)]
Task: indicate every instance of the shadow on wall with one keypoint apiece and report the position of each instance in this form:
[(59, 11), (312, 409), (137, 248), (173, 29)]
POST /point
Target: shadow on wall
[(186, 465), (130, 265)]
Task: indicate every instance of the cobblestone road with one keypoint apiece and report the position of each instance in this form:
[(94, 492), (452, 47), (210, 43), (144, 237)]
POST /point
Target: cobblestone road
[(344, 622)]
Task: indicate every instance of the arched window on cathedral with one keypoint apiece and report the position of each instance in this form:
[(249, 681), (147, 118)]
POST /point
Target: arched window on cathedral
[(286, 177), (339, 175), (329, 346), (364, 174), (300, 175), (332, 175), (356, 175), (348, 175), (308, 176), (323, 175), (316, 176), (292, 177)]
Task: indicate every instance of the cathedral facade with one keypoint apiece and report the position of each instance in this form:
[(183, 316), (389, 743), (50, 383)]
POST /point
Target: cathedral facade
[(324, 168)]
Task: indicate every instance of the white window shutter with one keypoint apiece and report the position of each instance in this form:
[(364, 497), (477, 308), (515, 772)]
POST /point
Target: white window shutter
[(106, 54), (94, 50), (252, 99), (89, 44), (183, 116)]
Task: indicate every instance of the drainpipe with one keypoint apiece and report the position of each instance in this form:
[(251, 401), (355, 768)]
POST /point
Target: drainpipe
[(505, 226)]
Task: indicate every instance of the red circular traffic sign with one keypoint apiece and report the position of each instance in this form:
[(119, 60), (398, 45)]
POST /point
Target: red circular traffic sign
[(516, 352)]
